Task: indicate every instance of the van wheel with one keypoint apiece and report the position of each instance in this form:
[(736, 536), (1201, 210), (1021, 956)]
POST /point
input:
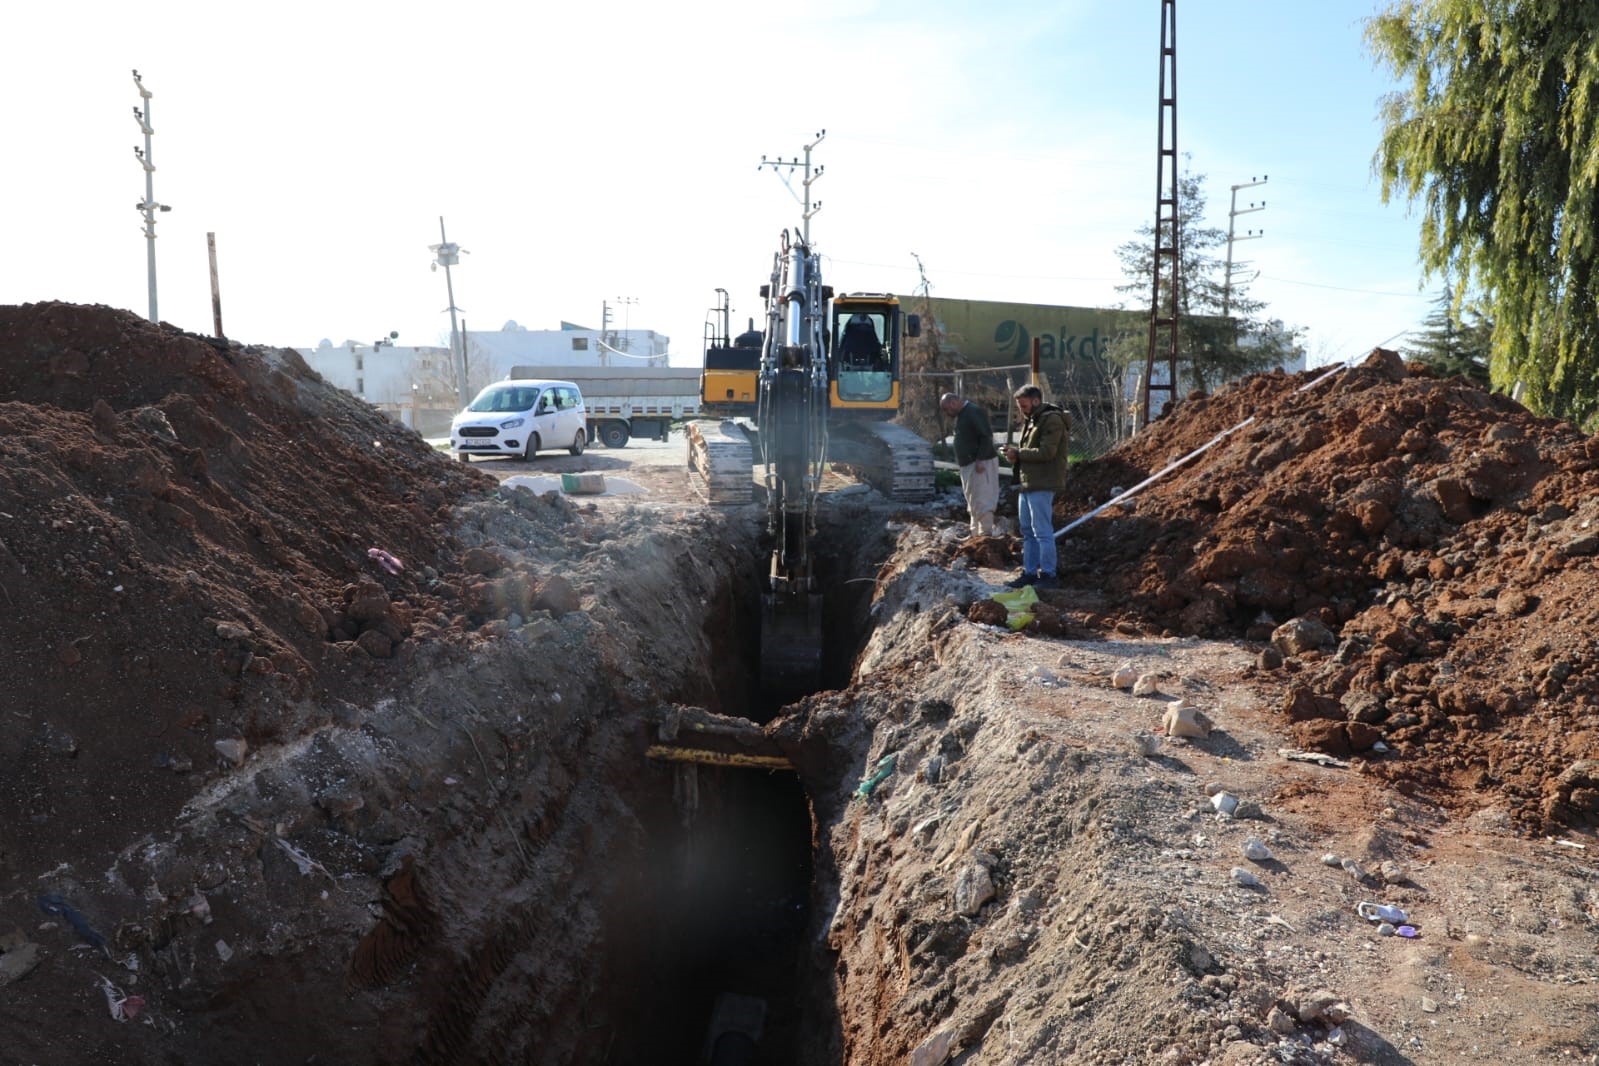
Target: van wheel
[(532, 446), (613, 435), (578, 442)]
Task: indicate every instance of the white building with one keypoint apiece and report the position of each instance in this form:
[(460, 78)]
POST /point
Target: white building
[(417, 386)]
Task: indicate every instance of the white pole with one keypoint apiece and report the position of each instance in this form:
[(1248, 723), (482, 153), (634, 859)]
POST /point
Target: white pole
[(148, 207)]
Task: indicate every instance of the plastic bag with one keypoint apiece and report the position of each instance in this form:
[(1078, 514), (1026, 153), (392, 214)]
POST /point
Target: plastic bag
[(1016, 604), (1017, 600)]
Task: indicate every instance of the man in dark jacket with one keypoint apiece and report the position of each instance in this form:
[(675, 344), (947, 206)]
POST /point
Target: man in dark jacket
[(977, 458), (1040, 460)]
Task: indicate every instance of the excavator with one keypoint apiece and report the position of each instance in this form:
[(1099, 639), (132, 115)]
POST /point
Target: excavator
[(816, 387)]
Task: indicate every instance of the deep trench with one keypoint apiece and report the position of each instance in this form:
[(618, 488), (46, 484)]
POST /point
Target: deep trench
[(729, 856)]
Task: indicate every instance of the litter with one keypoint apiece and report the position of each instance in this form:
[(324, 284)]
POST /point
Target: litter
[(1017, 604), (385, 560), (885, 766), (123, 1007), (1318, 757)]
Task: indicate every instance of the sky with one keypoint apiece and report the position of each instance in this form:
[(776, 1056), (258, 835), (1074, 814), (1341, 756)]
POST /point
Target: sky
[(610, 153)]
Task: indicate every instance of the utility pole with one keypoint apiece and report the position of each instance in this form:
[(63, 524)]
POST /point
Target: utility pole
[(607, 338), (810, 178), (627, 303), (447, 255), (1233, 213), (1168, 260), (148, 207)]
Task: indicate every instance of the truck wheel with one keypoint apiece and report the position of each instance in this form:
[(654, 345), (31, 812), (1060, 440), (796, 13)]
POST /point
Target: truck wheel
[(578, 442), (613, 435), (532, 446)]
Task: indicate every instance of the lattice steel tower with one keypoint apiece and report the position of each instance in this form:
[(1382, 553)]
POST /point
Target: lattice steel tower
[(1165, 305)]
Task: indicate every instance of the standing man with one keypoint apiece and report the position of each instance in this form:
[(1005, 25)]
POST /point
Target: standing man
[(977, 458), (1040, 460)]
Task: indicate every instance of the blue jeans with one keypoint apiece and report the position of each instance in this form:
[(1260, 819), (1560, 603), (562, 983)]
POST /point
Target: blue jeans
[(1038, 532)]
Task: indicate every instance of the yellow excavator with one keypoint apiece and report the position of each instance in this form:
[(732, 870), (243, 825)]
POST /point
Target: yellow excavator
[(817, 386)]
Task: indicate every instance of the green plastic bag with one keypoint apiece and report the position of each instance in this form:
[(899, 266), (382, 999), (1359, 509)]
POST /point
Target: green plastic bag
[(1016, 604), (1018, 600)]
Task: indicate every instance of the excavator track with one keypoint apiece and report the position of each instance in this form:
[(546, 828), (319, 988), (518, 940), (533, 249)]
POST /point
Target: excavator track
[(720, 460), (902, 468)]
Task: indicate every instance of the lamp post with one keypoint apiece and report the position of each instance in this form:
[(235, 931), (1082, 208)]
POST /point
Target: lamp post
[(148, 207), (447, 255)]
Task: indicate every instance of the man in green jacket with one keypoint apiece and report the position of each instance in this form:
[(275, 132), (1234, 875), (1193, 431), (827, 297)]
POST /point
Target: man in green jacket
[(1039, 459), (977, 458)]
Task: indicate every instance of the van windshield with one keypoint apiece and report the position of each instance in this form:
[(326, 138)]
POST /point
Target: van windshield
[(503, 400)]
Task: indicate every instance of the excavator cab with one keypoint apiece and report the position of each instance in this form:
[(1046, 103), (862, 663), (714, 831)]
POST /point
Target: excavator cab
[(864, 364)]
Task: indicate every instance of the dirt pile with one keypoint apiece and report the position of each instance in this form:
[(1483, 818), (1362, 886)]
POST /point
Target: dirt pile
[(1444, 534), (200, 544)]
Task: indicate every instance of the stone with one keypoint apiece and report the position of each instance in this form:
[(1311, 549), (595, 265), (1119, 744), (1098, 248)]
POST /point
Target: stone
[(934, 1050), (1280, 1022), (974, 886), (1255, 851), (1300, 635), (18, 957), (233, 749), (1323, 1005), (1125, 676), (1186, 720), (1243, 878), (1147, 685), (1391, 873), (481, 561), (232, 631)]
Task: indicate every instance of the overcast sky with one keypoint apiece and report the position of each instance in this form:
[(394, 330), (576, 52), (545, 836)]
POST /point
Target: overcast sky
[(610, 151)]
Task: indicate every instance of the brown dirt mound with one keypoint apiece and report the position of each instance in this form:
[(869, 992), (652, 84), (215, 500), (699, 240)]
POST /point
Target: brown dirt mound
[(1445, 534), (185, 538)]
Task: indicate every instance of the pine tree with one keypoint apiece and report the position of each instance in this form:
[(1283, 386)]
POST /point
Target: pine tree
[(1453, 341), (1212, 347)]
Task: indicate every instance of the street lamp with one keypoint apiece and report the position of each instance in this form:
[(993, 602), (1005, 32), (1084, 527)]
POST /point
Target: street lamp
[(447, 255)]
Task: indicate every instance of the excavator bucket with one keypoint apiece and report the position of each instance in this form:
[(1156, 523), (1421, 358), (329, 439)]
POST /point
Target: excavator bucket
[(791, 644)]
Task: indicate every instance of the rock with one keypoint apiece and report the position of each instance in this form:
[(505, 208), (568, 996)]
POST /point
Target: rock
[(340, 800), (974, 886), (1280, 1022), (986, 613), (1323, 1006), (934, 1050), (18, 957), (556, 595), (1146, 744), (375, 644), (1244, 878), (1354, 869), (1255, 851), (481, 561), (1124, 677), (1147, 685), (1391, 873), (1330, 859), (233, 749), (1186, 720), (1269, 659), (232, 631), (1299, 635)]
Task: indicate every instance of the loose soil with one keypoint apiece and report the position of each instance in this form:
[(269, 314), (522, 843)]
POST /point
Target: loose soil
[(317, 746)]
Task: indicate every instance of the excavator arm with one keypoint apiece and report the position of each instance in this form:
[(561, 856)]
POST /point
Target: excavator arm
[(792, 416)]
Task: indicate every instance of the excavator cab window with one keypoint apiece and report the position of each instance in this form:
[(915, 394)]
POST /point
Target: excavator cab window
[(864, 363)]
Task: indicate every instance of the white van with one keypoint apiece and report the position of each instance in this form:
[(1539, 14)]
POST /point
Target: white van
[(520, 416)]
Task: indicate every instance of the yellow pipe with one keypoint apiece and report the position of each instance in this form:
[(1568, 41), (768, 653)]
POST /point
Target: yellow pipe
[(718, 758)]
